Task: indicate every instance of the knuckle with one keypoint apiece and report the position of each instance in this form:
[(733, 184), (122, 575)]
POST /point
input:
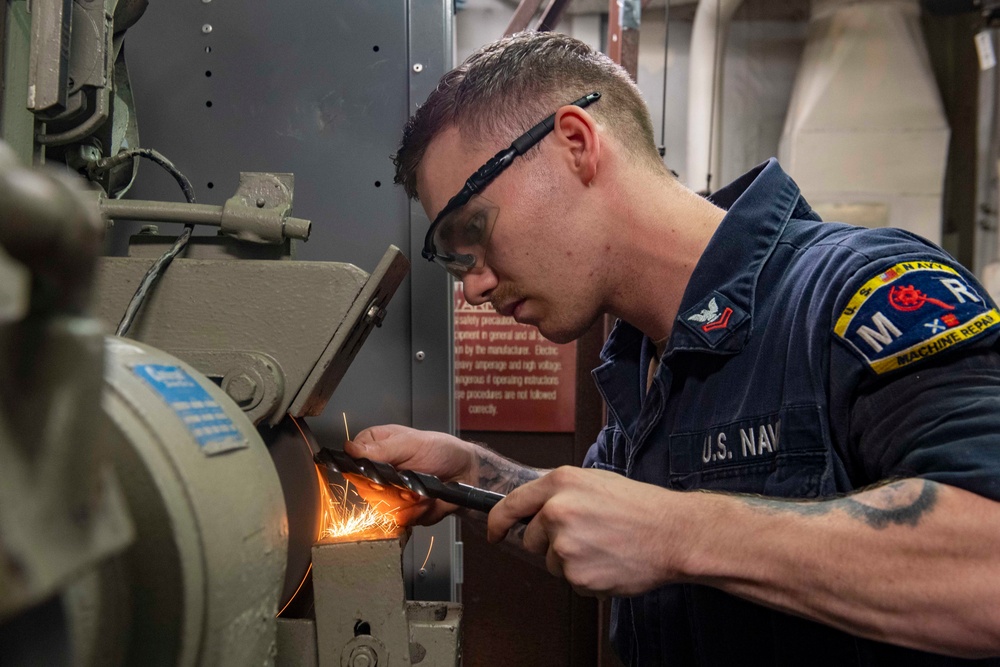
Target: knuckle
[(563, 475), (565, 548), (574, 575), (560, 511)]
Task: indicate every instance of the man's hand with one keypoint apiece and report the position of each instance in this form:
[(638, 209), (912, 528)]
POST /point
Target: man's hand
[(442, 455), (439, 454), (607, 535), (912, 562)]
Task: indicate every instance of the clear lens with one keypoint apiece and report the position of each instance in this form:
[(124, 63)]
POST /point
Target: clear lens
[(458, 271), (462, 237)]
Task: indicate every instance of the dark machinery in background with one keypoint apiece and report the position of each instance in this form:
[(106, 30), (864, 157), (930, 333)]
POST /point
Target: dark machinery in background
[(158, 500)]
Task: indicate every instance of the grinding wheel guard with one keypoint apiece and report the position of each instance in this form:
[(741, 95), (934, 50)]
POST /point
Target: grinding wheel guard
[(380, 482)]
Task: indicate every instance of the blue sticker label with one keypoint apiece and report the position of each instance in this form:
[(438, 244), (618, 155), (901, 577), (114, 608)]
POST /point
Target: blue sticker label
[(912, 311), (208, 424)]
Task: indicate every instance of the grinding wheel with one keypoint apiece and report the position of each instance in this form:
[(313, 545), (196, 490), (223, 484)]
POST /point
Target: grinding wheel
[(292, 445)]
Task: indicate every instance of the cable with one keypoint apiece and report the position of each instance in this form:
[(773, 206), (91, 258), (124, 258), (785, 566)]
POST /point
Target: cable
[(716, 84), (666, 57), (149, 280), (160, 265), (110, 162)]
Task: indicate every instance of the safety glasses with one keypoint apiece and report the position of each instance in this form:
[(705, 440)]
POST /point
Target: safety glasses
[(460, 234)]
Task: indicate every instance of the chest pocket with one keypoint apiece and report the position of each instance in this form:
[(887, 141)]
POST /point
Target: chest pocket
[(613, 446), (782, 454)]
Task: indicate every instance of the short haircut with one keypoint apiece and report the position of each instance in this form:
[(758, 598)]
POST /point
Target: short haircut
[(506, 87)]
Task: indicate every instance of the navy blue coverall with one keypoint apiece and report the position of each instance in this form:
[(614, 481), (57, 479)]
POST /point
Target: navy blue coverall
[(808, 359)]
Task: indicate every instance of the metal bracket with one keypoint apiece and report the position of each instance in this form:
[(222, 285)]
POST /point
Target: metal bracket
[(311, 317), (49, 58), (362, 616), (260, 208), (367, 312), (83, 64), (258, 212)]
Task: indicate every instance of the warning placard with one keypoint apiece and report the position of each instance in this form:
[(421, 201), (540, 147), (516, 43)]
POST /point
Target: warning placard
[(507, 376)]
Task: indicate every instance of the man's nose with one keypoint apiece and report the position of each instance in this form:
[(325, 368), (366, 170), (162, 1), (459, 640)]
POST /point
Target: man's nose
[(478, 284)]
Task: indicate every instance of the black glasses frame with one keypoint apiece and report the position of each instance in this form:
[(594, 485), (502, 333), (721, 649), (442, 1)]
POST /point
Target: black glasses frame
[(484, 176)]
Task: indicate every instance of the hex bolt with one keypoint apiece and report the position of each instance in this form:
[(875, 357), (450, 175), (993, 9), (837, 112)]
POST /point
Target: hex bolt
[(418, 68), (363, 656), (149, 230), (375, 314), (242, 389), (420, 355), (207, 28)]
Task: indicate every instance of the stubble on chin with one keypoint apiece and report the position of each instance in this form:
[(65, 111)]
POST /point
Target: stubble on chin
[(566, 332)]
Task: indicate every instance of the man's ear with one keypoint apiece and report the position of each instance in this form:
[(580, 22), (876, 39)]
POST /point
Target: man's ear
[(576, 134)]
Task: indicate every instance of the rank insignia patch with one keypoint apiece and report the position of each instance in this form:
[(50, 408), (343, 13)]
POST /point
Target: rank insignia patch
[(913, 311), (714, 318)]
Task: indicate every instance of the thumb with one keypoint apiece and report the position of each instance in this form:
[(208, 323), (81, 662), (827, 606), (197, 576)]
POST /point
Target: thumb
[(373, 434), (358, 449), (379, 443)]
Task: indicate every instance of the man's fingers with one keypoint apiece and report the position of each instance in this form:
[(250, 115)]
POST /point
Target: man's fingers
[(535, 539), (523, 501), (373, 434), (361, 450), (554, 564), (382, 443), (415, 514)]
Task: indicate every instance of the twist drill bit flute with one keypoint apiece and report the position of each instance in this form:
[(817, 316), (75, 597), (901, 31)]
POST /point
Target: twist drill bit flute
[(374, 476)]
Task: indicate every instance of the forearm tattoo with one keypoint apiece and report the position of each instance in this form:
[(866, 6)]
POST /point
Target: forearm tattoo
[(502, 475), (898, 503)]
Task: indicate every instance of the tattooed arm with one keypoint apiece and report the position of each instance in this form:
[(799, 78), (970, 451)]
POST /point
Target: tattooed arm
[(499, 474), (502, 475), (443, 455), (912, 562)]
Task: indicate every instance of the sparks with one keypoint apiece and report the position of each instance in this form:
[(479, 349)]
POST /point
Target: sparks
[(345, 514)]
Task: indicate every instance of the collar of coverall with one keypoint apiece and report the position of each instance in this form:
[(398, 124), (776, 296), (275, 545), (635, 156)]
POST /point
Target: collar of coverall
[(758, 206)]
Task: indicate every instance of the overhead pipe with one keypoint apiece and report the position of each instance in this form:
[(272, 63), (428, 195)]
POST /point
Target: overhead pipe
[(526, 9), (552, 15), (708, 41)]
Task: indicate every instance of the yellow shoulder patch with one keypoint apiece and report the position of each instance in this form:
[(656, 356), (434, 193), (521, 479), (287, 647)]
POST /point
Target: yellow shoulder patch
[(912, 311)]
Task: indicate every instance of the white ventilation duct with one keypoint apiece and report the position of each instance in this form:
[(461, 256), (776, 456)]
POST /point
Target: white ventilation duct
[(866, 136)]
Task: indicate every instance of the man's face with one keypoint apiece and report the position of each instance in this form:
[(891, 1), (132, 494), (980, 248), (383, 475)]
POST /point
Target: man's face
[(540, 267)]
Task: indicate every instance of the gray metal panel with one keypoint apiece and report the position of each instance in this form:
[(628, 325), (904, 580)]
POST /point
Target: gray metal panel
[(322, 90), (430, 52), (430, 56), (294, 87)]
